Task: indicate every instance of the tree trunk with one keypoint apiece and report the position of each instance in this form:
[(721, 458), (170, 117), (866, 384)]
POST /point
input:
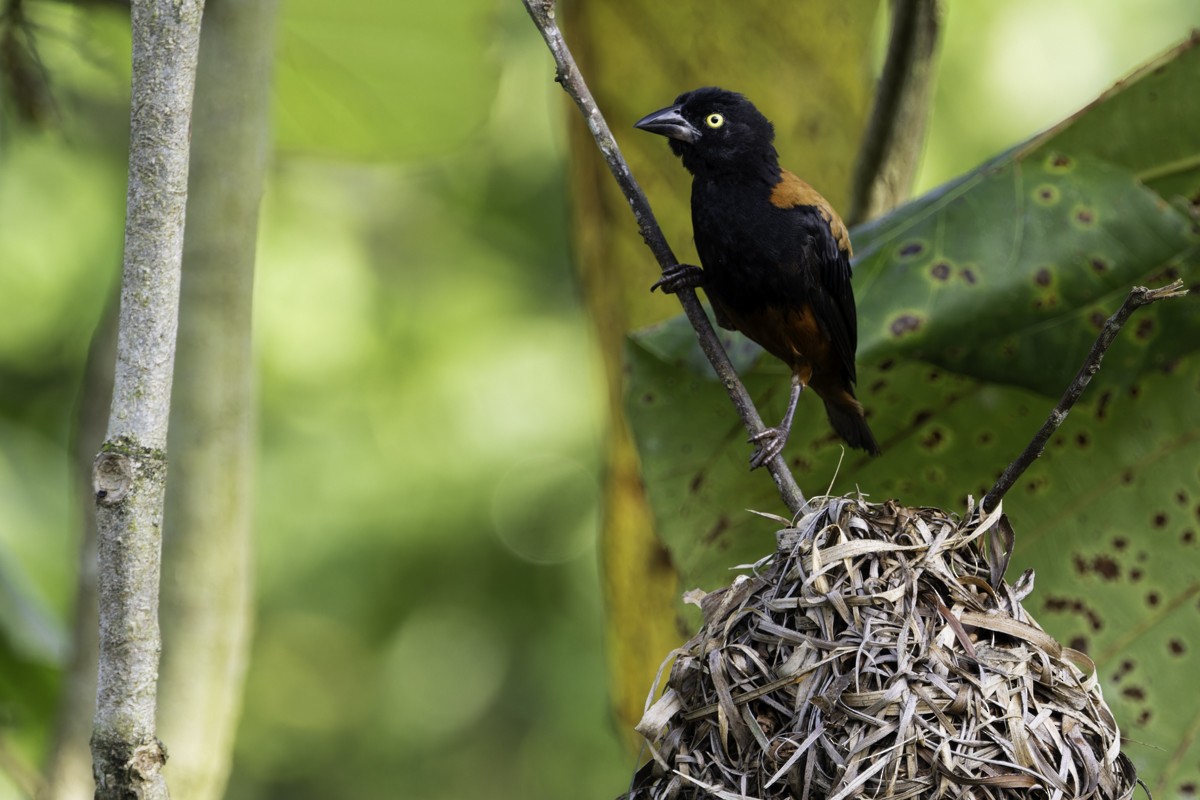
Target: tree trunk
[(207, 563)]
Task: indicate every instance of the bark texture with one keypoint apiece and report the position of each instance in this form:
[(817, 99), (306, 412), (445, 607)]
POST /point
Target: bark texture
[(129, 475)]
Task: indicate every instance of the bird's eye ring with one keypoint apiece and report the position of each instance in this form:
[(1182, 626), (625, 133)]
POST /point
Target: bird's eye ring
[(714, 120)]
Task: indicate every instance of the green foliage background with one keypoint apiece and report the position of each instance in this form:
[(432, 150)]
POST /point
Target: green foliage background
[(428, 620)]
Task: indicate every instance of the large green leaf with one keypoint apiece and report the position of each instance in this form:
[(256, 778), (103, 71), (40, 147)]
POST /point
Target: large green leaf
[(1009, 273), (1152, 130), (977, 304)]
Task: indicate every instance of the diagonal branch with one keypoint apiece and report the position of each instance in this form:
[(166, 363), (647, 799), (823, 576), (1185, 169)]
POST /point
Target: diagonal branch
[(568, 75), (1139, 296)]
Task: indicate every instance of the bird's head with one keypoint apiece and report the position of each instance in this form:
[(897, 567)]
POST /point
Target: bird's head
[(715, 131)]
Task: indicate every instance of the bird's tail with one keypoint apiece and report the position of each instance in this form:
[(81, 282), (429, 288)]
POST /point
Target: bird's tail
[(847, 418)]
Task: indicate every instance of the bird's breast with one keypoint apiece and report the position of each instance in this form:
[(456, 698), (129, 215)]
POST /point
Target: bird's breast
[(743, 242)]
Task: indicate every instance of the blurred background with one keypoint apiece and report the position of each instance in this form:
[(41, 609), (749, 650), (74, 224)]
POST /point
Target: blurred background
[(428, 620)]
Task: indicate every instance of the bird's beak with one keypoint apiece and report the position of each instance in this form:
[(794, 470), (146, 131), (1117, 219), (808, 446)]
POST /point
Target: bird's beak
[(670, 123)]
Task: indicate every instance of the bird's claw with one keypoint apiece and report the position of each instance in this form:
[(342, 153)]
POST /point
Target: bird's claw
[(770, 444), (678, 277)]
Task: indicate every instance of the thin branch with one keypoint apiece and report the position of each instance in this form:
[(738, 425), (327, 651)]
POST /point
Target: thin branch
[(568, 76), (887, 159), (129, 474), (1139, 296)]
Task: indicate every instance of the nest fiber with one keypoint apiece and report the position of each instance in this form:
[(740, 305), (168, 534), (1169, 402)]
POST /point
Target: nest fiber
[(879, 653)]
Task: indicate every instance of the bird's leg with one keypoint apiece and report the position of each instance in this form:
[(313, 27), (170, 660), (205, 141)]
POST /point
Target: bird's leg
[(771, 441), (678, 277)]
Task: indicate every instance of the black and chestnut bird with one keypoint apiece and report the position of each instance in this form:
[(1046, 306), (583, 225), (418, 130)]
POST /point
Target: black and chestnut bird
[(775, 256)]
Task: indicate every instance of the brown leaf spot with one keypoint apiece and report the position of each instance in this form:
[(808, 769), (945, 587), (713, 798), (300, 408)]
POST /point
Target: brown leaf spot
[(1123, 669), (1107, 568), (1083, 439), (1102, 405), (1135, 693), (1188, 537), (1043, 277), (1127, 477), (1097, 319), (1079, 643), (1176, 647), (696, 482), (1160, 519), (1099, 264), (721, 525), (940, 270), (905, 324), (1046, 194), (801, 465), (1104, 566), (921, 416), (911, 249), (1143, 719), (1152, 599), (886, 364), (969, 276), (1143, 329), (934, 438), (1077, 607), (1085, 217), (986, 437), (1057, 162), (1135, 575), (1164, 276), (1181, 497)]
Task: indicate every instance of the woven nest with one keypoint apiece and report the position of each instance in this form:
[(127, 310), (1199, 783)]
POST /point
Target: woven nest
[(879, 653)]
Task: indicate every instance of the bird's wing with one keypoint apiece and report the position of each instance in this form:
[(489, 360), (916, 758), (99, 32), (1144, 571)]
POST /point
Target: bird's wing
[(819, 252)]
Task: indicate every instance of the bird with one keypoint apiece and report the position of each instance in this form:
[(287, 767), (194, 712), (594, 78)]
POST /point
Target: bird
[(774, 256)]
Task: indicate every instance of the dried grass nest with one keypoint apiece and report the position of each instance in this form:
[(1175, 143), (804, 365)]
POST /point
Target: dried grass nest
[(879, 653)]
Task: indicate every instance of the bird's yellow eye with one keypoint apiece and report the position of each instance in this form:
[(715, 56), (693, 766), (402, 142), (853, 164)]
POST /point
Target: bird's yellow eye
[(714, 120)]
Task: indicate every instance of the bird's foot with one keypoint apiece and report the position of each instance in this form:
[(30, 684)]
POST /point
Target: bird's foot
[(678, 277), (770, 444)]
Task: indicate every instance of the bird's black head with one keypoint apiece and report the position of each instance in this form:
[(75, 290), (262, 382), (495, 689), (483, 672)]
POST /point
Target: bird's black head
[(715, 132)]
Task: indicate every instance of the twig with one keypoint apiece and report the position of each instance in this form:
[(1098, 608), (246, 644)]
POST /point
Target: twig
[(1139, 296), (887, 159), (542, 12)]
